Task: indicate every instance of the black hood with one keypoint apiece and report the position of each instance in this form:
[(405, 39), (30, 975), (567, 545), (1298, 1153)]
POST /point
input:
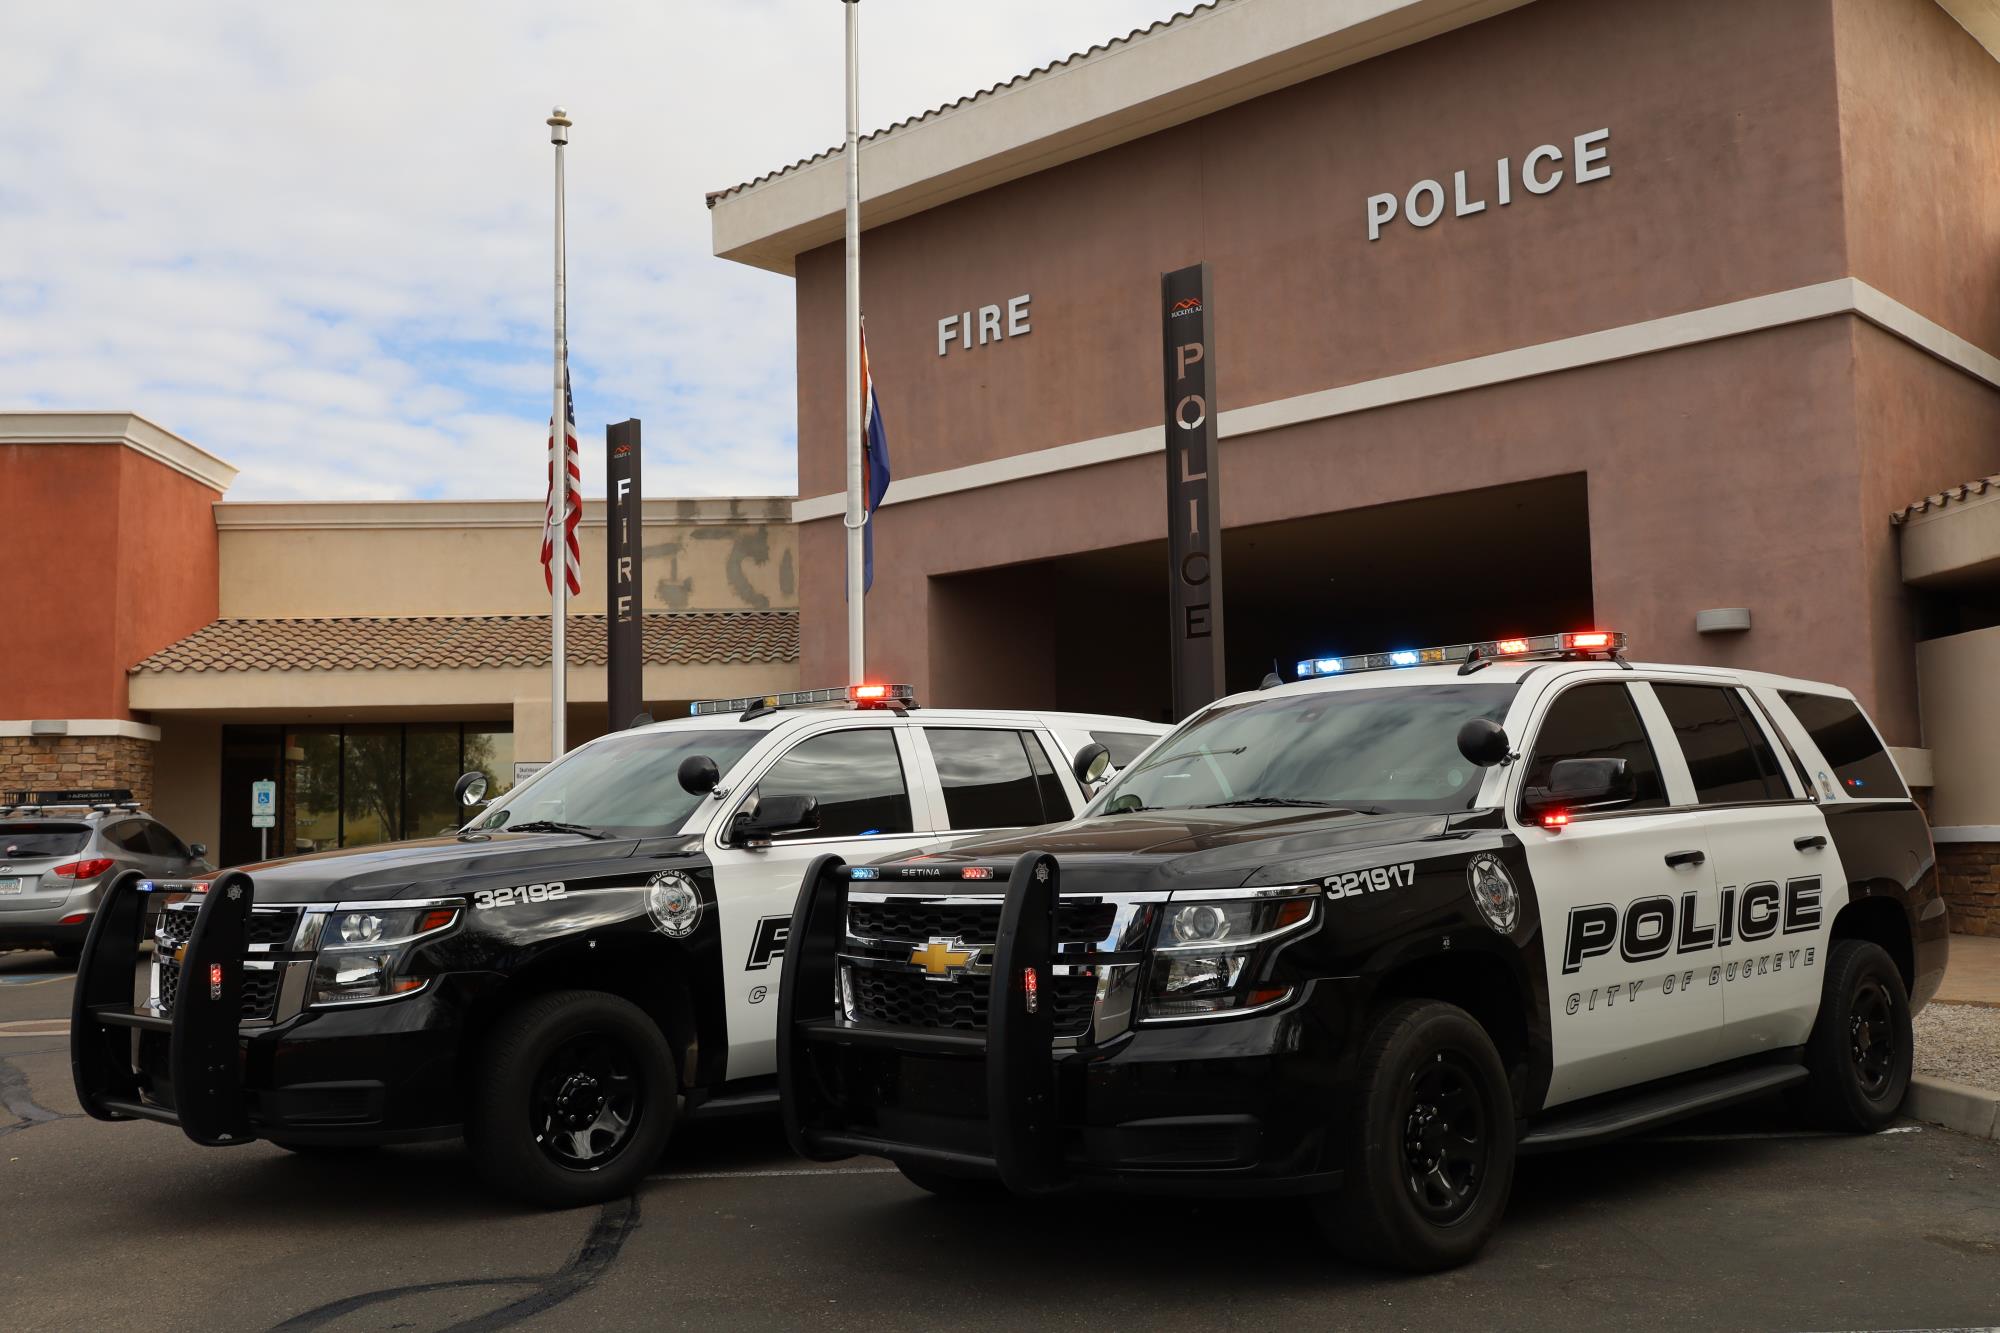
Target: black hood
[(422, 866), (1192, 848)]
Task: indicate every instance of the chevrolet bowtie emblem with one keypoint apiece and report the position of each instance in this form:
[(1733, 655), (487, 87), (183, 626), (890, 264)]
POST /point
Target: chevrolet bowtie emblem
[(942, 957)]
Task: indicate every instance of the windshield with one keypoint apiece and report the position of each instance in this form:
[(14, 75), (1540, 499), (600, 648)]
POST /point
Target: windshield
[(1394, 748), (620, 785), (22, 840)]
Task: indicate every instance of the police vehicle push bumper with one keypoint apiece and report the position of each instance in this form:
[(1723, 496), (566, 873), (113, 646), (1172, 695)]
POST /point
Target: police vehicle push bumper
[(220, 1048), (1059, 1088)]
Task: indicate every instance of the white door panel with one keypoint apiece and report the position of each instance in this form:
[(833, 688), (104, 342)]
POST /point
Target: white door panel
[(1629, 999), (1775, 889), (756, 891)]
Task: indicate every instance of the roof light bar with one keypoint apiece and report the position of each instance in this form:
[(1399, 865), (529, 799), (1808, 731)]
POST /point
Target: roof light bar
[(1575, 643), (865, 695)]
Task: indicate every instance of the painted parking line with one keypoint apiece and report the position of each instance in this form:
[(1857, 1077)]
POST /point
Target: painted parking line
[(35, 1027), (35, 978)]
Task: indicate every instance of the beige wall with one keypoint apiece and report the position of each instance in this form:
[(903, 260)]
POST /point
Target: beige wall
[(187, 765), (483, 558), (1954, 544), (1960, 678)]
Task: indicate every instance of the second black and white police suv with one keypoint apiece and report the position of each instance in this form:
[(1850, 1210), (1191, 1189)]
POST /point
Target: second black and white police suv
[(592, 956), (1367, 936)]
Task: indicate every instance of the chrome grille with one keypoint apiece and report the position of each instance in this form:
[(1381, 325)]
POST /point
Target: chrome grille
[(908, 999), (914, 920), (269, 929)]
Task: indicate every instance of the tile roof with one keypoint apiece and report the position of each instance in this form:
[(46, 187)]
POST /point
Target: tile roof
[(1946, 497), (1101, 49), (458, 643)]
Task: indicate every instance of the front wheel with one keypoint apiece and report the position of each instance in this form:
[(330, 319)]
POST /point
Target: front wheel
[(1858, 1056), (574, 1100), (1433, 1154)]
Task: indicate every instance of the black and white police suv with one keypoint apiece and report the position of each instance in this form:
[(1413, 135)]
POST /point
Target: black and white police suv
[(1367, 936), (588, 958)]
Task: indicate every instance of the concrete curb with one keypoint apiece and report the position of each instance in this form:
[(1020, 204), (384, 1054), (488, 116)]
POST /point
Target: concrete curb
[(1955, 1106)]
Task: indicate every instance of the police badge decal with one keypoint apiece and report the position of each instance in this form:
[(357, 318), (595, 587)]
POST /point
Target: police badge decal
[(673, 904), (1493, 891)]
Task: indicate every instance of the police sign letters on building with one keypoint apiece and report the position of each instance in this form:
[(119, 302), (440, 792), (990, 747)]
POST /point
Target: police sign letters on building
[(1194, 504)]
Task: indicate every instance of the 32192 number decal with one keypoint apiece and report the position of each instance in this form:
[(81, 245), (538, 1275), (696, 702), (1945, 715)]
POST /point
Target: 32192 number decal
[(522, 894), (1354, 883)]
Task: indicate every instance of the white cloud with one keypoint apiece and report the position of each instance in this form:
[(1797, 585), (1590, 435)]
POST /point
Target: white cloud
[(314, 238)]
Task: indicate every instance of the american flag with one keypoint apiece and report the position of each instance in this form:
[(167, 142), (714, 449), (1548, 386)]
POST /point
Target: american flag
[(574, 564)]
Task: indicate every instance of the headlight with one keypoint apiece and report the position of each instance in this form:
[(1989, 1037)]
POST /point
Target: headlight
[(363, 949), (1212, 956)]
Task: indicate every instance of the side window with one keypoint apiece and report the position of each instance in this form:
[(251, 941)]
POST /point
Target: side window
[(988, 778), (1125, 746), (856, 776), (128, 835), (1841, 731), (163, 843), (1727, 754), (1598, 722)]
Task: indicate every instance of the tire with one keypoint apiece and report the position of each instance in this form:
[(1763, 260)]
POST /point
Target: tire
[(1858, 1056), (1423, 1064), (947, 1186), (67, 953), (574, 1099)]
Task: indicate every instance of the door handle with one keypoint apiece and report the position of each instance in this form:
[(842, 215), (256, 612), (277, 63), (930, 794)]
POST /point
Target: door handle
[(1678, 859), (1810, 844)]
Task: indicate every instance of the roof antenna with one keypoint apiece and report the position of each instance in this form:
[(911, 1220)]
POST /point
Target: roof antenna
[(1272, 678)]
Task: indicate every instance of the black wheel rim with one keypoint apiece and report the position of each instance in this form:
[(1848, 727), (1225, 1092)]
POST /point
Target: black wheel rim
[(586, 1102), (1871, 1038), (1446, 1139)]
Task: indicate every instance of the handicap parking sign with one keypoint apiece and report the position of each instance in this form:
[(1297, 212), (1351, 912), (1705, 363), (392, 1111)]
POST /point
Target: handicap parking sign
[(263, 805)]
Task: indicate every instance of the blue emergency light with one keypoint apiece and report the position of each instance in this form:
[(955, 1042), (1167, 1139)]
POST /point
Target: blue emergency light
[(1573, 644)]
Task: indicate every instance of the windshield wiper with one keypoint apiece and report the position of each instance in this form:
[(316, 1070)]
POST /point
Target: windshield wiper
[(1288, 801), (551, 826), (1195, 754)]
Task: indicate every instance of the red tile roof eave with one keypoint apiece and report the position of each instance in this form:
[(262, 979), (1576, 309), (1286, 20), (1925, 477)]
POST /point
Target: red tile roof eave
[(1942, 499), (455, 643)]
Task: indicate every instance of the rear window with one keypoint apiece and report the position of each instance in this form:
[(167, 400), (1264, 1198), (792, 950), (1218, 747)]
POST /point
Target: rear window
[(1842, 733), (1125, 746), (1727, 755), (23, 840)]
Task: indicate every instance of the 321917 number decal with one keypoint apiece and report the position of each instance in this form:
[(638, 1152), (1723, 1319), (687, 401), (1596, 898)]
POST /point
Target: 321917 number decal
[(1354, 883), (522, 894)]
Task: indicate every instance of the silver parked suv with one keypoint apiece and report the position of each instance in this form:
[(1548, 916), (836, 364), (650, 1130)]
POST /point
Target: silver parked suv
[(59, 849)]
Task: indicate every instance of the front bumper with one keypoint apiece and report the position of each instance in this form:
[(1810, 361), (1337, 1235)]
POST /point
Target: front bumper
[(372, 1073), (43, 934), (1236, 1106)]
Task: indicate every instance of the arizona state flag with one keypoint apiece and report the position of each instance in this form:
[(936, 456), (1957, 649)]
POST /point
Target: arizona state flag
[(875, 463)]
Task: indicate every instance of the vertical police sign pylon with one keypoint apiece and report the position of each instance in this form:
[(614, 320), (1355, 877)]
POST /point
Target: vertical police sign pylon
[(1194, 501), (624, 603)]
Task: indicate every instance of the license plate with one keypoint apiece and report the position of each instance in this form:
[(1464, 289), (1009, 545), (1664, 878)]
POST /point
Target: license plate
[(13, 885)]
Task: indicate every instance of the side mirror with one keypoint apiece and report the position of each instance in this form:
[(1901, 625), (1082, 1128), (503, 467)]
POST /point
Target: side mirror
[(1483, 742), (698, 775), (775, 815), (1580, 784), (472, 789), (197, 850), (1092, 762)]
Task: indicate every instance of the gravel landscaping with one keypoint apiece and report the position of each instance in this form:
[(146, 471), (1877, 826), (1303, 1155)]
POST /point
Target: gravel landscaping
[(1960, 1042)]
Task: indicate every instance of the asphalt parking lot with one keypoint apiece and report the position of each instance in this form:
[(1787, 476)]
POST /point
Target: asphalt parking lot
[(1736, 1220)]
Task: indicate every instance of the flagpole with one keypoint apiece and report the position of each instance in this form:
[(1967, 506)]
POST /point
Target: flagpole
[(856, 621), (559, 469)]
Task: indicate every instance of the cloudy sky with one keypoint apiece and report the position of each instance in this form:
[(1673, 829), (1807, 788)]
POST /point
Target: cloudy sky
[(313, 237)]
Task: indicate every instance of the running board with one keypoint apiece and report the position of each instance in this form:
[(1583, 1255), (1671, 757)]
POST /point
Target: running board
[(1601, 1124), (758, 1102)]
